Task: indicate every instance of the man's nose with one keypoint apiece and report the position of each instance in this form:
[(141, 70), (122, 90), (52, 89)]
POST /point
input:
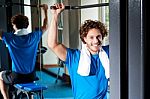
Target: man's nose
[(96, 40)]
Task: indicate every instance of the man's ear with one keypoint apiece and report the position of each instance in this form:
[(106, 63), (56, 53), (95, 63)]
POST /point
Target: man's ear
[(85, 39)]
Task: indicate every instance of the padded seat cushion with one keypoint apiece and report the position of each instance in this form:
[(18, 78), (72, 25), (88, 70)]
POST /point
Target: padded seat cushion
[(30, 87)]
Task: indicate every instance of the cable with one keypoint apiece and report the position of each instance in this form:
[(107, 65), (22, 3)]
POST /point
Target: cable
[(39, 25)]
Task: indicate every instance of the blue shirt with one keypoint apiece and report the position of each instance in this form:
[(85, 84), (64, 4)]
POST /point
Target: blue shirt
[(93, 86), (23, 50)]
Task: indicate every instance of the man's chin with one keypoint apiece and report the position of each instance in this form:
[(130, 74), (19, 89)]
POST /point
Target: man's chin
[(95, 49)]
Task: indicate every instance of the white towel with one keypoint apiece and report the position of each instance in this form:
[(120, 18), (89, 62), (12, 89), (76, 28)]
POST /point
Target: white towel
[(21, 32), (85, 61)]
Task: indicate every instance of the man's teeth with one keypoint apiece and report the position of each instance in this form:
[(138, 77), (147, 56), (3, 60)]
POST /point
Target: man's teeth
[(95, 45)]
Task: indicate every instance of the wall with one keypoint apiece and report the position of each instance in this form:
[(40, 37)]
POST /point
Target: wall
[(49, 57), (89, 13)]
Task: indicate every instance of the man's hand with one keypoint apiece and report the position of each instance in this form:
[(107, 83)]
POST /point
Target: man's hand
[(59, 7), (45, 7)]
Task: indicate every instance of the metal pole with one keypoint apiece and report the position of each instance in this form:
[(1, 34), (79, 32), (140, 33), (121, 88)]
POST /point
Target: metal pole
[(82, 7)]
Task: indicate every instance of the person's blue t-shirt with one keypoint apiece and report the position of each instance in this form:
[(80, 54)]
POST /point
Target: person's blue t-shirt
[(93, 86), (23, 50)]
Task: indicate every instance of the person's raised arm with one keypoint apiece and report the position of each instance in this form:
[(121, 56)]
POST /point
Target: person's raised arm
[(45, 20), (58, 49)]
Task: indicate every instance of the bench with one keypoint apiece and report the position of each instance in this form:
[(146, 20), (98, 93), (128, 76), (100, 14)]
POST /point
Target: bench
[(28, 90)]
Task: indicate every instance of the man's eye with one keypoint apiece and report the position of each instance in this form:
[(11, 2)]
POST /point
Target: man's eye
[(98, 37), (91, 37)]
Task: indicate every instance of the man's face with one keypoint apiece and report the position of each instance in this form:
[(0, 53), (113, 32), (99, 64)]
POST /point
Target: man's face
[(93, 40)]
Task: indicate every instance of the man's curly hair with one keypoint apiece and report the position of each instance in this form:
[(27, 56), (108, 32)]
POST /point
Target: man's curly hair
[(20, 21), (90, 24)]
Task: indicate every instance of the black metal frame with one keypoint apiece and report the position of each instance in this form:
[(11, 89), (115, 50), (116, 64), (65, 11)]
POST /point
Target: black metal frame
[(124, 48), (146, 36)]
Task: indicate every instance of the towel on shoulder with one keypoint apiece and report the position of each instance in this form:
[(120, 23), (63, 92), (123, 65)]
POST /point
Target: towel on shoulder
[(85, 61)]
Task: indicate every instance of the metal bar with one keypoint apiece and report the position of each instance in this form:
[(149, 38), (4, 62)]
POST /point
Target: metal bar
[(53, 7), (18, 4), (82, 7), (21, 4), (90, 6)]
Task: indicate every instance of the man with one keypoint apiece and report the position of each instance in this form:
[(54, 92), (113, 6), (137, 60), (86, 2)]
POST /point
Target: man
[(22, 47), (88, 67)]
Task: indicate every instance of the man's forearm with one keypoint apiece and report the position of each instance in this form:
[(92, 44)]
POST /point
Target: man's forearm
[(45, 20), (53, 32)]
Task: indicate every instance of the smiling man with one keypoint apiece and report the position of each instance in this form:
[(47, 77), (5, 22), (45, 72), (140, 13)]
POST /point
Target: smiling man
[(88, 67)]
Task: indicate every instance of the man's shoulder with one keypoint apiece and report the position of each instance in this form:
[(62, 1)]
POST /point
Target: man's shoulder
[(105, 47), (74, 52)]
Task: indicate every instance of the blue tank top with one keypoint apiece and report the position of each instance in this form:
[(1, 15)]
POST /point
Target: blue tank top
[(93, 86), (23, 50)]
